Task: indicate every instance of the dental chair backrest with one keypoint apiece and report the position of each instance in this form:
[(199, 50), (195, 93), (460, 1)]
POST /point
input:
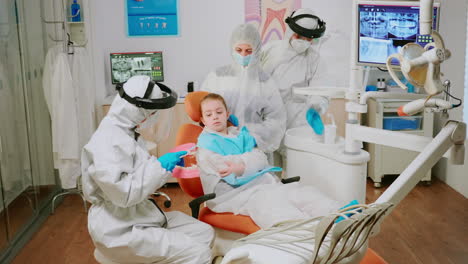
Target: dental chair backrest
[(188, 133)]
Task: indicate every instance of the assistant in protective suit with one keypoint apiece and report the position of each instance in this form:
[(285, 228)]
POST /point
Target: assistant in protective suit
[(293, 62), (251, 95), (118, 175)]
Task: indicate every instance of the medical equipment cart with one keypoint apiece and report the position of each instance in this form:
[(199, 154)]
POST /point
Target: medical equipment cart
[(386, 160)]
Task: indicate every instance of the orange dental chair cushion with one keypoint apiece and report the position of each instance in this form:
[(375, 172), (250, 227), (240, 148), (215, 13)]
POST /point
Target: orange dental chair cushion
[(228, 221), (372, 257)]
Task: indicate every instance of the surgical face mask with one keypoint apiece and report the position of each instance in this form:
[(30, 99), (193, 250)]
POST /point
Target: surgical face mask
[(300, 45), (241, 60)]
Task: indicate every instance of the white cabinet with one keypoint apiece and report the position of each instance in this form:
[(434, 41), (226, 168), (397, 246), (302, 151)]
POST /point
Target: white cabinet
[(384, 160)]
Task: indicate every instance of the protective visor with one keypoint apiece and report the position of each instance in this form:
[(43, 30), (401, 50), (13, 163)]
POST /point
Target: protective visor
[(305, 32), (169, 97), (157, 127)]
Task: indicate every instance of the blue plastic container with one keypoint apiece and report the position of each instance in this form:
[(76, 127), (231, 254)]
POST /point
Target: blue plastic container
[(75, 11), (402, 123), (371, 88)]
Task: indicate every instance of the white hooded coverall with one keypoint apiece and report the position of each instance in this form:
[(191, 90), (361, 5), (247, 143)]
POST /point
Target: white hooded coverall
[(118, 176), (292, 69)]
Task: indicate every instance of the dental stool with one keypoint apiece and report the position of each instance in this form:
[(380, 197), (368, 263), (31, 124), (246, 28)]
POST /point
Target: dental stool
[(167, 202)]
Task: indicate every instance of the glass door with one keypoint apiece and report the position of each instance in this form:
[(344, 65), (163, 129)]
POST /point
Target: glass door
[(15, 159), (27, 179), (33, 44)]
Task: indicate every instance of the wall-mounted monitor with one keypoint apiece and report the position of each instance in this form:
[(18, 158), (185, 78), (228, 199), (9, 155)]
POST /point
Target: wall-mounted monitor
[(127, 64), (383, 27)]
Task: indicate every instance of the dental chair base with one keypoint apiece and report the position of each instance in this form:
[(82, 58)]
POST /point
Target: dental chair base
[(326, 166)]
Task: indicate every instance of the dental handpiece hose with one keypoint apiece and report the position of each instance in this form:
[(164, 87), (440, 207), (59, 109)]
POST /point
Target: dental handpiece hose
[(417, 106)]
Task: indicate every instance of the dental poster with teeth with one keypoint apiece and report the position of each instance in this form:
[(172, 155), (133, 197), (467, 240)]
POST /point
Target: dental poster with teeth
[(269, 15), (152, 18)]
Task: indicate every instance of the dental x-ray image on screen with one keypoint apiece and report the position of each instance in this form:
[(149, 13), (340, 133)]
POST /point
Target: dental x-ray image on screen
[(126, 65), (386, 27)]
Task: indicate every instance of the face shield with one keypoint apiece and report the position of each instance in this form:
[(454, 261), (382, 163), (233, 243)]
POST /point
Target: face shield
[(305, 24), (147, 94), (157, 126), (155, 102)]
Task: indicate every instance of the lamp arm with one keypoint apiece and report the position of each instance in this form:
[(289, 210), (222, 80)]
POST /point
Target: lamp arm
[(425, 14)]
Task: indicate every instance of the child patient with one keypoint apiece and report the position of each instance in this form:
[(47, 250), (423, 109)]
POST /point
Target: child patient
[(238, 172)]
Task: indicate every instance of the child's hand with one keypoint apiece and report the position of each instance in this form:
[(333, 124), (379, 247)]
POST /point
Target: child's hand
[(237, 168)]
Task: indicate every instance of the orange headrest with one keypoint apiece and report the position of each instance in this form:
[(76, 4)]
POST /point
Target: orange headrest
[(192, 104)]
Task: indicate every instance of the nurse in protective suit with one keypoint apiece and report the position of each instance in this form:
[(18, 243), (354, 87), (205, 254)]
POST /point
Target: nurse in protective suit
[(118, 175), (251, 94)]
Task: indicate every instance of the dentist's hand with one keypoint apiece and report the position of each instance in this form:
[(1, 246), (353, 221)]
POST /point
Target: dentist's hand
[(232, 167), (170, 160)]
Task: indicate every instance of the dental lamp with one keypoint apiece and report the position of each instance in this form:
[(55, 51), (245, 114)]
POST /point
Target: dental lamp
[(421, 66)]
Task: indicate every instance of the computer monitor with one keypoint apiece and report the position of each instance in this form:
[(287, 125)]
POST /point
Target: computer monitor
[(127, 64), (383, 27)]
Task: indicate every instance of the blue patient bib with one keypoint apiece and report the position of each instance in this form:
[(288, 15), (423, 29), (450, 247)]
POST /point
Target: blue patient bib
[(242, 143)]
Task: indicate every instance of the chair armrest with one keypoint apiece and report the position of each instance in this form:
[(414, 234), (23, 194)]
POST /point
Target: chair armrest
[(195, 203), (292, 179)]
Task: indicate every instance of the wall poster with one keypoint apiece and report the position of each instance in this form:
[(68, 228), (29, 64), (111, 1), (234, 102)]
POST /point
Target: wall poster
[(152, 18), (269, 15)]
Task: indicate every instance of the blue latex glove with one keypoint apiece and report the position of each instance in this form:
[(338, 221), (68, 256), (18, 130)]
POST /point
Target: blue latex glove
[(233, 119), (170, 160), (315, 121)]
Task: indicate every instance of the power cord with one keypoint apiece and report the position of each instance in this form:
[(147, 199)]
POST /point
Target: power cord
[(453, 97)]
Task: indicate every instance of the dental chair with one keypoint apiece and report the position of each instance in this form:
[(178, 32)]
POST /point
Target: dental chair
[(228, 227)]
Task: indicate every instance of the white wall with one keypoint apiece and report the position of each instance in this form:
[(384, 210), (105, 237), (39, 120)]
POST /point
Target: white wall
[(205, 28), (453, 26)]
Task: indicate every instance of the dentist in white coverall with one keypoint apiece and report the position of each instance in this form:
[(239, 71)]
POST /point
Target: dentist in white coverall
[(293, 62), (118, 175)]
